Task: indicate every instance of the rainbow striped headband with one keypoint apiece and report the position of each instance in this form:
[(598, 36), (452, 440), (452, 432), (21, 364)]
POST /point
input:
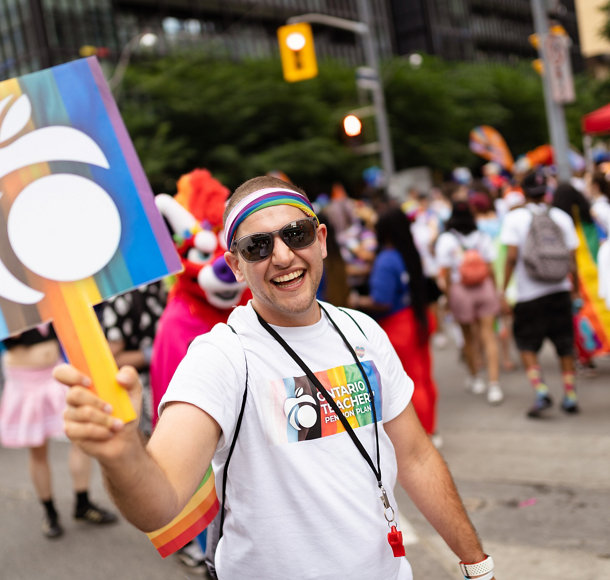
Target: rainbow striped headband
[(261, 199)]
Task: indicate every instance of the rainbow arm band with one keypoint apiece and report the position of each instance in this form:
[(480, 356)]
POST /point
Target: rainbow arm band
[(262, 199)]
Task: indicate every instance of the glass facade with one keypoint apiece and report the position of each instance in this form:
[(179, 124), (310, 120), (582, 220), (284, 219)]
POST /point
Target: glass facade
[(480, 30), (244, 28), (35, 34)]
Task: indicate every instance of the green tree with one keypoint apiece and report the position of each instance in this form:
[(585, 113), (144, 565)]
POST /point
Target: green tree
[(239, 119)]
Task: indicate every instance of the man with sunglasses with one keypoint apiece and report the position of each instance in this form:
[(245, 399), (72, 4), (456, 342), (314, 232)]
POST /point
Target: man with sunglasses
[(309, 403)]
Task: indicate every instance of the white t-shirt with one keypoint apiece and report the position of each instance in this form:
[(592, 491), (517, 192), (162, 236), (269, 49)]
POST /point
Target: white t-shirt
[(514, 233), (600, 210), (301, 500), (424, 230), (451, 245)]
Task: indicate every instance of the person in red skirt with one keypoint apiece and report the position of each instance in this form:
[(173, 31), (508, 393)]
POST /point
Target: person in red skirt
[(398, 299)]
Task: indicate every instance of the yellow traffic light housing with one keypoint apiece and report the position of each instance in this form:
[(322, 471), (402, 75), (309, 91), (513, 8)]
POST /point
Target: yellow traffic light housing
[(297, 52)]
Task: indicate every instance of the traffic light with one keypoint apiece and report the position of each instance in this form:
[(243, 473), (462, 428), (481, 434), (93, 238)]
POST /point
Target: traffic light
[(352, 125), (537, 64), (297, 52)]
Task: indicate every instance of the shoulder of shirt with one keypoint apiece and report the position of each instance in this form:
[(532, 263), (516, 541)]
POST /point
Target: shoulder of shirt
[(216, 337), (342, 317)]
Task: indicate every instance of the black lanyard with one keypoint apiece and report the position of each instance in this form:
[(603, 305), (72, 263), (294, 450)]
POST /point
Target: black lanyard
[(330, 400)]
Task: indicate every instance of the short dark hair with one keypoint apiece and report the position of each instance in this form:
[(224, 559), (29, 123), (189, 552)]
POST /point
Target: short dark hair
[(255, 184), (534, 183)]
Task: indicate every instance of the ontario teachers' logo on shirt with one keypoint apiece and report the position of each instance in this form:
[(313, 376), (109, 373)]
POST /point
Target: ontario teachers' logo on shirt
[(307, 414)]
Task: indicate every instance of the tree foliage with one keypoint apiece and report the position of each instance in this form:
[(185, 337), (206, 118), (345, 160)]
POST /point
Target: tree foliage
[(240, 119)]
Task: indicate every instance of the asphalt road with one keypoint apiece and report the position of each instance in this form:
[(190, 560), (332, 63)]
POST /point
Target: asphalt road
[(537, 491)]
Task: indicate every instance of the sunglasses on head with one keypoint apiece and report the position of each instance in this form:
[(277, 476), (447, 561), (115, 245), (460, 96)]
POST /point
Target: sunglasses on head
[(296, 235)]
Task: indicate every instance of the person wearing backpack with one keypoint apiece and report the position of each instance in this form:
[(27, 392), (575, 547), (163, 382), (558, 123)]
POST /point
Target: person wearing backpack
[(541, 243), (465, 255)]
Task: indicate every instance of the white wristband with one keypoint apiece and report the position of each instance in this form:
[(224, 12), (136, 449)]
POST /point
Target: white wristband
[(487, 576), (485, 566)]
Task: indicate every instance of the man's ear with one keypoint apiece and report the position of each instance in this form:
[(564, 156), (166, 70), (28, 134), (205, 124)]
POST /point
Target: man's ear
[(233, 261), (322, 232)]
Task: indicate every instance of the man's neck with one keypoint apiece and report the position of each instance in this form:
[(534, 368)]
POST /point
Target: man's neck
[(289, 319)]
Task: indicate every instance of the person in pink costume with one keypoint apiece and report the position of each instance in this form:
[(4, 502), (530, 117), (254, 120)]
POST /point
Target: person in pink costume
[(206, 290)]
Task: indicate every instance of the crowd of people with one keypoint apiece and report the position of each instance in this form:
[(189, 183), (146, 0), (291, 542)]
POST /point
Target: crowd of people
[(455, 263), (461, 255)]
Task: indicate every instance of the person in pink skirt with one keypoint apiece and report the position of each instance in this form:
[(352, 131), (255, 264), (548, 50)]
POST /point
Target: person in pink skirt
[(31, 413)]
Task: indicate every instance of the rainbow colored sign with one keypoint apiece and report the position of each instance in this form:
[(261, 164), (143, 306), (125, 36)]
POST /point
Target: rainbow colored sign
[(78, 222)]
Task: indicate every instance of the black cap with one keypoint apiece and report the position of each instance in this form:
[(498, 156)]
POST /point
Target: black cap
[(534, 183)]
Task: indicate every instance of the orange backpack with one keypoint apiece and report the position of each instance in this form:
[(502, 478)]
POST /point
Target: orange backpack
[(473, 269)]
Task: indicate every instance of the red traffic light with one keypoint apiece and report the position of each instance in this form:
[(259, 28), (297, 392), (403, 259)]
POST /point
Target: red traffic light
[(352, 125)]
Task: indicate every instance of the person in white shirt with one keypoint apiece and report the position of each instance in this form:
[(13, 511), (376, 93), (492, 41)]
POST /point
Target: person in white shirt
[(474, 306), (327, 426), (543, 309)]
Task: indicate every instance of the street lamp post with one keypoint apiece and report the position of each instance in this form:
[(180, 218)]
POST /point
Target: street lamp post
[(363, 29), (383, 130), (554, 110), (146, 39)]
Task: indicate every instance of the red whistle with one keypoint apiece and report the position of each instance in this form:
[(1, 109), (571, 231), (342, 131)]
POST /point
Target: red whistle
[(395, 541)]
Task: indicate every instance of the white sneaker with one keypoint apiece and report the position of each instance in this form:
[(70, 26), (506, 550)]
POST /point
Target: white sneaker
[(440, 340), (494, 394), (191, 555), (476, 385)]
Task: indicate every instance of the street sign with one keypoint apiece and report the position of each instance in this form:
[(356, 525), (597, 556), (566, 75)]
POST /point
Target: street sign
[(559, 67)]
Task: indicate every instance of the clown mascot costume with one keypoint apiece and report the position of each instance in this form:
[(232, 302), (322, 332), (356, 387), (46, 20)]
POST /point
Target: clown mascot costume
[(203, 293)]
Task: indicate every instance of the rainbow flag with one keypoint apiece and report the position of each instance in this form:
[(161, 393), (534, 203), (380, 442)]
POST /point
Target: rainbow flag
[(78, 222), (191, 521), (593, 319)]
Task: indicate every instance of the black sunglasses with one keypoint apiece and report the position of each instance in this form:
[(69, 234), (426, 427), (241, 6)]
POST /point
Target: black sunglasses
[(296, 235)]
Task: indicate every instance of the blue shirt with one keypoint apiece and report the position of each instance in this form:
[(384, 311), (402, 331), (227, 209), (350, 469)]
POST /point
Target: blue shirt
[(389, 281)]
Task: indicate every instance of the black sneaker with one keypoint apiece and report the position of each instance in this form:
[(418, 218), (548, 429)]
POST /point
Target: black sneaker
[(95, 515), (570, 405), (51, 528), (542, 402)]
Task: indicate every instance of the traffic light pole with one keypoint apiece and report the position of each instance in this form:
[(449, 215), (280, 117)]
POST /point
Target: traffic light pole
[(363, 29), (383, 130), (554, 111)]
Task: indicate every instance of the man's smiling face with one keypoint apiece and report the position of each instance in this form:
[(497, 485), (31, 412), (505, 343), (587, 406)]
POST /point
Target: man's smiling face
[(284, 285)]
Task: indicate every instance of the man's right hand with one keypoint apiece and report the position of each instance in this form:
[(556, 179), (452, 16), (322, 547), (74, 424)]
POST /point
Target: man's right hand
[(88, 420)]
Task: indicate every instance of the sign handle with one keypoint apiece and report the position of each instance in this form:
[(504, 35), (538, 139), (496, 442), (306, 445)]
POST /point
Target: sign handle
[(86, 347)]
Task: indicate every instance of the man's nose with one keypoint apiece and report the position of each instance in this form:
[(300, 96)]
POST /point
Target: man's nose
[(282, 254)]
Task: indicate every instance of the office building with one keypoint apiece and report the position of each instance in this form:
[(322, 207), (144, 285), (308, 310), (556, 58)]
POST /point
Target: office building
[(35, 34)]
